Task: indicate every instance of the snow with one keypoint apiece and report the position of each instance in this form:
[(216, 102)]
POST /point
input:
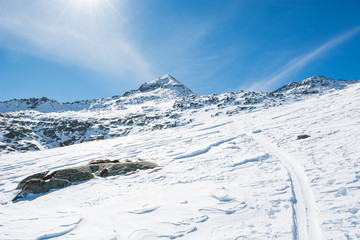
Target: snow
[(228, 177)]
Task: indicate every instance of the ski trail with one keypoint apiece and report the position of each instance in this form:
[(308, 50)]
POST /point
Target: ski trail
[(306, 220)]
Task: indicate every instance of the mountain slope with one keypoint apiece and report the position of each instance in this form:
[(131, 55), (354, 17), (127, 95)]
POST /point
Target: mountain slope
[(36, 124), (223, 177)]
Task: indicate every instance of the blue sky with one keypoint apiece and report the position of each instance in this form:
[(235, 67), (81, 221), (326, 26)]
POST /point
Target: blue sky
[(83, 49)]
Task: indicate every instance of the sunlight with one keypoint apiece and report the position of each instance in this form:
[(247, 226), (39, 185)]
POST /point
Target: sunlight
[(86, 3), (88, 16), (86, 6), (87, 9)]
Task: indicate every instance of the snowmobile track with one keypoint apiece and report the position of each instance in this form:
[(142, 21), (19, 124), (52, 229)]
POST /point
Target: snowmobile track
[(306, 225)]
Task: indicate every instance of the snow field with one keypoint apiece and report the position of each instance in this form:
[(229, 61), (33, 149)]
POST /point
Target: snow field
[(239, 177)]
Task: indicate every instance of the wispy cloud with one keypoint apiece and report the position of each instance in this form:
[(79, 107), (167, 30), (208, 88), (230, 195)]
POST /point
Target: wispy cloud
[(297, 63), (75, 32)]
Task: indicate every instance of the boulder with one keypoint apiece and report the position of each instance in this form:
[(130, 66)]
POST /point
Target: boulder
[(37, 175), (44, 182), (76, 174), (122, 168), (103, 161), (303, 136), (37, 186)]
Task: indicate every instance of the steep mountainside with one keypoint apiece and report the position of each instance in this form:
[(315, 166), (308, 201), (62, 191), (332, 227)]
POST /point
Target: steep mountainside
[(35, 124)]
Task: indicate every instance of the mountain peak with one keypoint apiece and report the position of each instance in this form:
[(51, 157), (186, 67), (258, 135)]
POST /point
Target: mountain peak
[(314, 84), (316, 79), (166, 82)]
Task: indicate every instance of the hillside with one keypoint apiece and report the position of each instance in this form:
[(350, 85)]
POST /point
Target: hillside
[(38, 124), (231, 168)]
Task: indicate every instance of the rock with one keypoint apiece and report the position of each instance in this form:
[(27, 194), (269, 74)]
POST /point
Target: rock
[(303, 136), (103, 161), (122, 168), (34, 180), (44, 182), (102, 172), (37, 186), (76, 174), (37, 175)]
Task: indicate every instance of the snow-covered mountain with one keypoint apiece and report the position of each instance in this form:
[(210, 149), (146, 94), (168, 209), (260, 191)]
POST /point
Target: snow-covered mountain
[(232, 168), (166, 86), (312, 85), (163, 88), (36, 124)]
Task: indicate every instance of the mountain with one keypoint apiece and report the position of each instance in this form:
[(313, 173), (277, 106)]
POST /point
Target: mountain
[(42, 105), (164, 87), (160, 85), (232, 168), (312, 85), (42, 123)]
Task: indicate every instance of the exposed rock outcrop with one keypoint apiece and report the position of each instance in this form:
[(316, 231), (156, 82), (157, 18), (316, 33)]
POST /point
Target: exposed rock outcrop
[(34, 176), (303, 136), (43, 182)]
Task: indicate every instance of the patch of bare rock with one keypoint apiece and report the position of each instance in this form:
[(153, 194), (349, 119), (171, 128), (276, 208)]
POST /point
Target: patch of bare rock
[(45, 181)]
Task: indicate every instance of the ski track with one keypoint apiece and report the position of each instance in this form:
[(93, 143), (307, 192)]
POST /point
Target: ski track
[(306, 219)]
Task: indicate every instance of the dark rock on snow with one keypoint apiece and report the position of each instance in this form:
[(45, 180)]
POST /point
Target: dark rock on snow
[(35, 176), (76, 174), (44, 182), (303, 136), (103, 161), (37, 186), (122, 168)]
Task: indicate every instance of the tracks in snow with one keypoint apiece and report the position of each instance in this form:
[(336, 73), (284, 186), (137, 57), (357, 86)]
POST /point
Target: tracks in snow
[(306, 225)]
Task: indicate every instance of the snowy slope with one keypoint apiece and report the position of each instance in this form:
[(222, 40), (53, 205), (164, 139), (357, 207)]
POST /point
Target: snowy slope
[(36, 124), (52, 124), (241, 176)]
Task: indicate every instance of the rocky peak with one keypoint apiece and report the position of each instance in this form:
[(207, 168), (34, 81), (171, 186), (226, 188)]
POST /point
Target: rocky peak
[(165, 82), (314, 84), (316, 79)]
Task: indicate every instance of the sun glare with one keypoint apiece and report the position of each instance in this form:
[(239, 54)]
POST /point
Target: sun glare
[(87, 8), (88, 3), (88, 16)]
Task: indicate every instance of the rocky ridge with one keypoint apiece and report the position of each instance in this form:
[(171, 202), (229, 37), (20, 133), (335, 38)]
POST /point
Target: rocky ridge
[(314, 85)]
